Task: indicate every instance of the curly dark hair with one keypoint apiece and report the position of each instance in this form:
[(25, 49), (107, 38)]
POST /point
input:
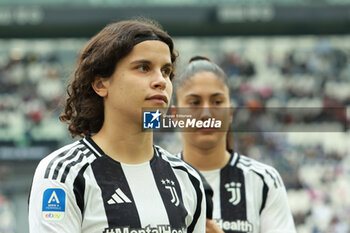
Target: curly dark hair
[(84, 109)]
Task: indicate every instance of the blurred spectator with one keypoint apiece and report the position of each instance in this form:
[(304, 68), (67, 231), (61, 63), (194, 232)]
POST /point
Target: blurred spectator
[(7, 220)]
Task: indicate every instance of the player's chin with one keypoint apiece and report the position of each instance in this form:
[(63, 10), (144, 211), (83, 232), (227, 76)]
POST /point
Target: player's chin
[(152, 104), (207, 137), (206, 144)]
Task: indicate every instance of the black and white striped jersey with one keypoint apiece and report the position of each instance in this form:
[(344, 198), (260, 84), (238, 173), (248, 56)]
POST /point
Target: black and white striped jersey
[(78, 188), (249, 196)]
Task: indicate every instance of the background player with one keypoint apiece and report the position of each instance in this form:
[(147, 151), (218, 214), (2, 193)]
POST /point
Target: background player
[(248, 196), (114, 179)]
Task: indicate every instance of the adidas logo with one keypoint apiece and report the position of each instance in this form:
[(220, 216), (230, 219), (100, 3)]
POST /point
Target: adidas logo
[(118, 197)]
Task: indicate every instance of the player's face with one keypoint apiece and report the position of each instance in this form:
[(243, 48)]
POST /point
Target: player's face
[(208, 96), (141, 79)]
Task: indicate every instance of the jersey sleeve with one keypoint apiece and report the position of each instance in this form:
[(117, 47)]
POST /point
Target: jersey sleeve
[(52, 205), (276, 217), (208, 197), (209, 193), (200, 224)]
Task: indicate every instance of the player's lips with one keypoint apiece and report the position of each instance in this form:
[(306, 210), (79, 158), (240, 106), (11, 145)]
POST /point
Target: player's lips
[(206, 130), (158, 98)]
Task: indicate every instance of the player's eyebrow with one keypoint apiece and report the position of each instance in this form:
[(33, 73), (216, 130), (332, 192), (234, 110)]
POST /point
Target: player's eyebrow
[(168, 65), (193, 95), (199, 96), (143, 61), (217, 94)]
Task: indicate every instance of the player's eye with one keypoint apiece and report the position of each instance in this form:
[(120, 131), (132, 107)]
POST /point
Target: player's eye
[(166, 71), (143, 68), (194, 103), (217, 102)]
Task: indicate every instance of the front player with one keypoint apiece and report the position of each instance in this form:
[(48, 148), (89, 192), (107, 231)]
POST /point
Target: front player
[(114, 179)]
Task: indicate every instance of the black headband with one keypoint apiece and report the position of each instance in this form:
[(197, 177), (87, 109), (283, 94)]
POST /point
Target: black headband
[(199, 58), (148, 38)]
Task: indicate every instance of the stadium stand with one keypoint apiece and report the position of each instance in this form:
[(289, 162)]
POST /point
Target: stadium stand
[(302, 73)]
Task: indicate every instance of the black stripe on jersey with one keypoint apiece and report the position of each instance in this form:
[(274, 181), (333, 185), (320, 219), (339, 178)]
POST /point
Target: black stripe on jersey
[(162, 171), (62, 154), (264, 191), (60, 163), (110, 177), (264, 197), (85, 153), (278, 178), (79, 188), (232, 194), (272, 177), (196, 184), (208, 191)]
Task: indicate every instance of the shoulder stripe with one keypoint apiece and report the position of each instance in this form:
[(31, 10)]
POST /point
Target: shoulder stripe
[(60, 154), (272, 177), (92, 146), (278, 177), (61, 164), (177, 164), (255, 163), (85, 153), (234, 159), (72, 155), (264, 192), (250, 165), (179, 155), (258, 169), (245, 163)]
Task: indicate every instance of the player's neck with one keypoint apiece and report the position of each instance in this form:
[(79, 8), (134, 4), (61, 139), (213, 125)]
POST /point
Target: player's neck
[(125, 142), (205, 159)]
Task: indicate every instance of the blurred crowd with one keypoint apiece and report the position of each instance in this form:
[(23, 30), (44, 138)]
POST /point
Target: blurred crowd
[(310, 147), (315, 160), (292, 105), (309, 79)]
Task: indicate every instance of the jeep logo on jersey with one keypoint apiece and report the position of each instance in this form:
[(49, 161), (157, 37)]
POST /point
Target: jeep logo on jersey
[(151, 120), (235, 189), (170, 185)]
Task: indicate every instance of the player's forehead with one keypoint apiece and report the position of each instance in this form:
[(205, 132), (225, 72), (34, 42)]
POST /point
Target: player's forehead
[(204, 84), (153, 51)]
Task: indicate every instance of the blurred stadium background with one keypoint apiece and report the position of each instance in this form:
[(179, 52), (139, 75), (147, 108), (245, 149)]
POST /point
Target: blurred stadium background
[(277, 53)]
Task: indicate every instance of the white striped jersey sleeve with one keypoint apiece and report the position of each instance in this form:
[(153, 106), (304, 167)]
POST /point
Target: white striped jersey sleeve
[(52, 203), (275, 214)]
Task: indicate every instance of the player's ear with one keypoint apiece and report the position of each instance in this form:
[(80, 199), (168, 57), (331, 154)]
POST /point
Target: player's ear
[(100, 86)]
